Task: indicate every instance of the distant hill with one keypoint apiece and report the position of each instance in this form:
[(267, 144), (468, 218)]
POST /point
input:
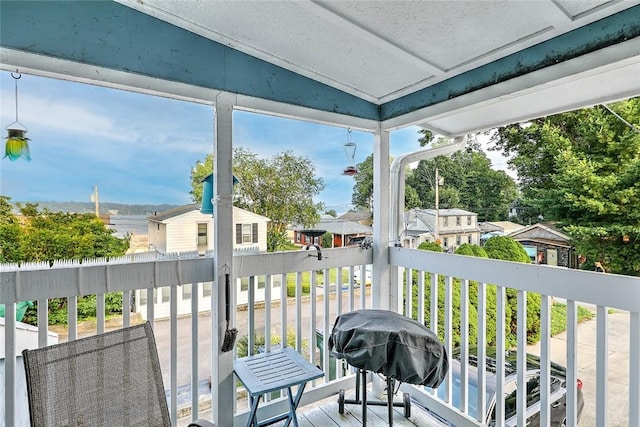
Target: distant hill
[(105, 208)]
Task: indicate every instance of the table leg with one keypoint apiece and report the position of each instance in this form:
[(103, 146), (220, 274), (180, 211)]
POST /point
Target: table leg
[(251, 421), (293, 404)]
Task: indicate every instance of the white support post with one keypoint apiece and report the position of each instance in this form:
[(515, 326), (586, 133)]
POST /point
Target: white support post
[(384, 291), (222, 363)]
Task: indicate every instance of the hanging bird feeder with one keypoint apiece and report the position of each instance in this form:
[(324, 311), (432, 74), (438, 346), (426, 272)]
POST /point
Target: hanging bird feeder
[(16, 145), (350, 151)]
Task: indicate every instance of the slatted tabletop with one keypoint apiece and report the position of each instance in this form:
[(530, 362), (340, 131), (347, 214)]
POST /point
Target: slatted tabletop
[(275, 370)]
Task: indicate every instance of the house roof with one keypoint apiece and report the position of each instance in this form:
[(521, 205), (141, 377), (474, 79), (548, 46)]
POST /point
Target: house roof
[(357, 216), (181, 210), (171, 213), (505, 227), (540, 232), (339, 226)]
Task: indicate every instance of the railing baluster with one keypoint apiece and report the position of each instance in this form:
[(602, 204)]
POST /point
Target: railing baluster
[(500, 353), (151, 303), (408, 294), (195, 398), (433, 307), (43, 323), (572, 367), (283, 309), (421, 296), (173, 308), (482, 352), (267, 313), (363, 286), (351, 296), (72, 318), (100, 310), (326, 315), (521, 359), (126, 309), (448, 329), (545, 356), (602, 365), (299, 312), (634, 369), (313, 314), (10, 362), (251, 314), (464, 345)]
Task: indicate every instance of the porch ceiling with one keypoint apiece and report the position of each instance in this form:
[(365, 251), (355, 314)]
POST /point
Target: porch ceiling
[(452, 66)]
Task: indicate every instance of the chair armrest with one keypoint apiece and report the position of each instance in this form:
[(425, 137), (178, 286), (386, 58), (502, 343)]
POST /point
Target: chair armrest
[(202, 423)]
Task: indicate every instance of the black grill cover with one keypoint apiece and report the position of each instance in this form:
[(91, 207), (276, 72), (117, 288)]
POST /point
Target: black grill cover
[(390, 344)]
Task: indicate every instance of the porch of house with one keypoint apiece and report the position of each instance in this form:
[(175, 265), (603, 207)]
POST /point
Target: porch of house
[(185, 344)]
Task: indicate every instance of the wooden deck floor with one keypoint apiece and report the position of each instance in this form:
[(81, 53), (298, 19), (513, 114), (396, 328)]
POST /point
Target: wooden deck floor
[(325, 413)]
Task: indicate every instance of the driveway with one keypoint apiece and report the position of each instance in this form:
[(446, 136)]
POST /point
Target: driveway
[(618, 384)]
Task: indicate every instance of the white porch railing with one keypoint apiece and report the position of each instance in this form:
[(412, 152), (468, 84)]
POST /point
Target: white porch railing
[(309, 318)]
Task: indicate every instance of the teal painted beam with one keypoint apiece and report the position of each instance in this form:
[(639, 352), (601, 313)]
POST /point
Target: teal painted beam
[(624, 25), (108, 34)]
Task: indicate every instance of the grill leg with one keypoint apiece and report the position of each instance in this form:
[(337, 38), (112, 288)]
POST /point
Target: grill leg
[(390, 399), (364, 397)]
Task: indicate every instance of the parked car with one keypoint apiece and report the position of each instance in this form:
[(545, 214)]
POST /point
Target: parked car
[(558, 390)]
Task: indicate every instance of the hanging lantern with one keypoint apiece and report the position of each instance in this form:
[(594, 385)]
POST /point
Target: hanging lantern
[(350, 151), (16, 145)]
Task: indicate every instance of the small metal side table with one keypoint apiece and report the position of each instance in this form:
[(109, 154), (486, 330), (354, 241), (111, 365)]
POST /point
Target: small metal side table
[(275, 370)]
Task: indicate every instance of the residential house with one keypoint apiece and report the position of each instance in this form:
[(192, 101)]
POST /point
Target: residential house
[(546, 245), (454, 227), (186, 229), (344, 232), (497, 228)]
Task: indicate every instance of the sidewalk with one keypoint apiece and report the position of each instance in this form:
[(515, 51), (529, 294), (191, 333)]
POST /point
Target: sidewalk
[(618, 384)]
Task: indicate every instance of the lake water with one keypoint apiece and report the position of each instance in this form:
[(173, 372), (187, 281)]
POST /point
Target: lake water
[(129, 224)]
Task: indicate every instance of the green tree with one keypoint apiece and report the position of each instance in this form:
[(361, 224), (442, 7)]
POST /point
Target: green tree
[(281, 188), (10, 233), (469, 183), (582, 170), (51, 236), (363, 187)]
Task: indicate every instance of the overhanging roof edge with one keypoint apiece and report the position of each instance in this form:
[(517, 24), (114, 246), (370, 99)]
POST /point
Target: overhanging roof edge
[(614, 29), (113, 36)]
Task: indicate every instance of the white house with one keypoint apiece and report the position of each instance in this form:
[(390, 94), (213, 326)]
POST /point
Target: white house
[(454, 227), (186, 229)]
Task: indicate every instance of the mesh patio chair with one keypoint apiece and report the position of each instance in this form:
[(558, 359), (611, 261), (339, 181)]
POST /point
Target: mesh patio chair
[(110, 379)]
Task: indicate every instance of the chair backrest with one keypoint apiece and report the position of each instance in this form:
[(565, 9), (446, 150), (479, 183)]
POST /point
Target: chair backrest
[(111, 379)]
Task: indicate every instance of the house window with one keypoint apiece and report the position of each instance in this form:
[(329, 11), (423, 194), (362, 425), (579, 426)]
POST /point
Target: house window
[(246, 233), (458, 240), (468, 220), (469, 239), (446, 242), (202, 234), (297, 236), (458, 221), (445, 221)]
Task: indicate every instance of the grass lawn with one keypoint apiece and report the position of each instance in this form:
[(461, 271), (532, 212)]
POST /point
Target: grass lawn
[(559, 317)]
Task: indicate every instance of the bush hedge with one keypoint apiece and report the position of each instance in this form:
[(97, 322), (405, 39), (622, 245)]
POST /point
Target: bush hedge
[(498, 247)]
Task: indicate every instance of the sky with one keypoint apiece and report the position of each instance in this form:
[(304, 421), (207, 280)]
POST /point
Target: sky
[(139, 149)]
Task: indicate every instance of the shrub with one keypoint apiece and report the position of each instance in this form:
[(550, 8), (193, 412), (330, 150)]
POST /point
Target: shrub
[(503, 248)]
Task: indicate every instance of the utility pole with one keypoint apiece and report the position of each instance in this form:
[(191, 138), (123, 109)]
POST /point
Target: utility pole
[(94, 199)]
